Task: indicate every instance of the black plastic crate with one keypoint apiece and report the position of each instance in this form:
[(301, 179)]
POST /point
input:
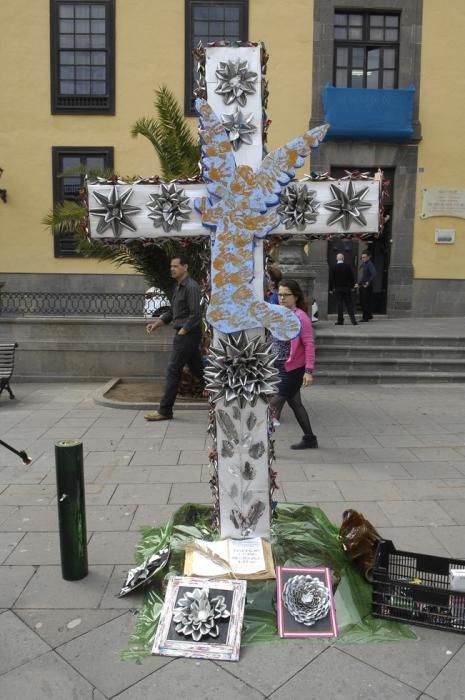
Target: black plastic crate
[(414, 588)]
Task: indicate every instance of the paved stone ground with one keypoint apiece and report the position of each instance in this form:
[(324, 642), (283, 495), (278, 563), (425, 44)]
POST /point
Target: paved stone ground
[(395, 452)]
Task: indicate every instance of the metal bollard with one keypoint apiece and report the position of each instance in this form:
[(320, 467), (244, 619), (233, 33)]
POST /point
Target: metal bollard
[(71, 509)]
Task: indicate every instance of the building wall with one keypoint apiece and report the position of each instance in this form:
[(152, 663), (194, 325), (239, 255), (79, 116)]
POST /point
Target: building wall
[(369, 156), (149, 53), (425, 279), (298, 34), (442, 150)]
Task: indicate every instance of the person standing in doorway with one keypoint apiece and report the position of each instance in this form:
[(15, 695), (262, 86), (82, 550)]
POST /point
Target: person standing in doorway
[(295, 360), (366, 275), (342, 283), (185, 317), (275, 276)]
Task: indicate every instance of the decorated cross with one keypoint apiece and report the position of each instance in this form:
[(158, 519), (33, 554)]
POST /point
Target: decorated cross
[(237, 207)]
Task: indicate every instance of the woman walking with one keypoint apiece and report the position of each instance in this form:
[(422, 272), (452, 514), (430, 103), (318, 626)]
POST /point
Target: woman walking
[(295, 362)]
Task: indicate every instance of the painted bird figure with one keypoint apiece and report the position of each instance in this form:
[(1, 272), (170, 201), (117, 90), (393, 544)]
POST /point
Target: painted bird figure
[(241, 207)]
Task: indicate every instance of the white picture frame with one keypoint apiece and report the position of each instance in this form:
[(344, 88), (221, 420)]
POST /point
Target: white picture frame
[(226, 647)]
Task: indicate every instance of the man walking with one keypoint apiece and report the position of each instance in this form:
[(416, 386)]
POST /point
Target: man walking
[(367, 273), (342, 282), (186, 320)]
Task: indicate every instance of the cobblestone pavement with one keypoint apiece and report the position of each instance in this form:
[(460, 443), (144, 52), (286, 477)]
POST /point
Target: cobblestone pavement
[(395, 452)]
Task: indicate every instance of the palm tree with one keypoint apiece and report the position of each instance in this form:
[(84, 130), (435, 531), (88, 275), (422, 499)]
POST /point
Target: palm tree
[(179, 155), (178, 151)]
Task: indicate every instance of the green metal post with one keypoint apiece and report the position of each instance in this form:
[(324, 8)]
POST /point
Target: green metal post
[(71, 509)]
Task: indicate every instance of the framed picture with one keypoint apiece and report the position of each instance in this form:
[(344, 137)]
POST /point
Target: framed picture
[(305, 603), (201, 618)]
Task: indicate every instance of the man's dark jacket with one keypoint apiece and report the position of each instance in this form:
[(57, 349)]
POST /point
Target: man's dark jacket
[(341, 277)]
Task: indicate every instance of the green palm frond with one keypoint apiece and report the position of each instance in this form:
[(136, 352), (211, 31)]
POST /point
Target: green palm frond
[(151, 130), (65, 217), (178, 152), (177, 149), (173, 122)]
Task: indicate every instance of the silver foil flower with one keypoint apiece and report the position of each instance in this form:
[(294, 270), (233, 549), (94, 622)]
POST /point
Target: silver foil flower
[(306, 598), (235, 81), (298, 207), (197, 615), (141, 575), (241, 370), (170, 208), (239, 128), (114, 211), (347, 206)]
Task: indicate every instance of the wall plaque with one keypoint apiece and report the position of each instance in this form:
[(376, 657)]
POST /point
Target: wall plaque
[(439, 201)]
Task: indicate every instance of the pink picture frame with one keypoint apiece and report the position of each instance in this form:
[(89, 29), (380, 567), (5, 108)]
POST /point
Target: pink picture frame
[(288, 626)]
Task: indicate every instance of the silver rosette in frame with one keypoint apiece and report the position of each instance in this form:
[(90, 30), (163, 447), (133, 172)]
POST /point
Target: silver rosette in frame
[(306, 598)]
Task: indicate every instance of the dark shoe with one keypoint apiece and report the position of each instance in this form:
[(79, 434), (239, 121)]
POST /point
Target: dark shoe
[(339, 323), (354, 323), (364, 320), (156, 416), (307, 443)]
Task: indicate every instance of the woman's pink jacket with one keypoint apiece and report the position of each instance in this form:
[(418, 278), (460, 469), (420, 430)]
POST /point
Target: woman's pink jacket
[(303, 347)]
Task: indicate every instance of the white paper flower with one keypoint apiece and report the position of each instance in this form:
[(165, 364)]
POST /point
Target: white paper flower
[(197, 615)]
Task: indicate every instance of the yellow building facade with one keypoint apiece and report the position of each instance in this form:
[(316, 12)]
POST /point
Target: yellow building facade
[(151, 41), (442, 149)]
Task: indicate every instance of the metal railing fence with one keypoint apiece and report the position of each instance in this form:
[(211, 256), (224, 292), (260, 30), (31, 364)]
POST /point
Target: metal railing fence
[(74, 304)]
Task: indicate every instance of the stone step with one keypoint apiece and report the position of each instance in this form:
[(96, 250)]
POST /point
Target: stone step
[(428, 351), (408, 364), (351, 336), (386, 377)]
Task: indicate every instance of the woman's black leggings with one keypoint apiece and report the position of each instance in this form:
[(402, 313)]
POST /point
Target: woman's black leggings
[(295, 402)]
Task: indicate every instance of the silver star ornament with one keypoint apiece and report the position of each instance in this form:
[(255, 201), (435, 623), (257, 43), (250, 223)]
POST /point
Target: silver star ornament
[(114, 211), (239, 128), (170, 208), (235, 81), (347, 206), (241, 370), (298, 207)]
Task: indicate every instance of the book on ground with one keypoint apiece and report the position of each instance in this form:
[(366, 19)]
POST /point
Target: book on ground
[(247, 559)]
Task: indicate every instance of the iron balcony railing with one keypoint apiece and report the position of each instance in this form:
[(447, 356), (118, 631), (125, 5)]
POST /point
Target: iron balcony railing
[(78, 304)]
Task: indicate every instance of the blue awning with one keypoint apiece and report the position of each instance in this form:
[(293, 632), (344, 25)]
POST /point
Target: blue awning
[(369, 115)]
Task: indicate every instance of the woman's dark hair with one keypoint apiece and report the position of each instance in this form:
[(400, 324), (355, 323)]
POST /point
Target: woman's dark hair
[(294, 286), (274, 274)]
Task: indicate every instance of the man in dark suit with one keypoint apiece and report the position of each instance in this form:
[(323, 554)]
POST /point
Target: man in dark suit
[(185, 316), (366, 275), (342, 282)]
